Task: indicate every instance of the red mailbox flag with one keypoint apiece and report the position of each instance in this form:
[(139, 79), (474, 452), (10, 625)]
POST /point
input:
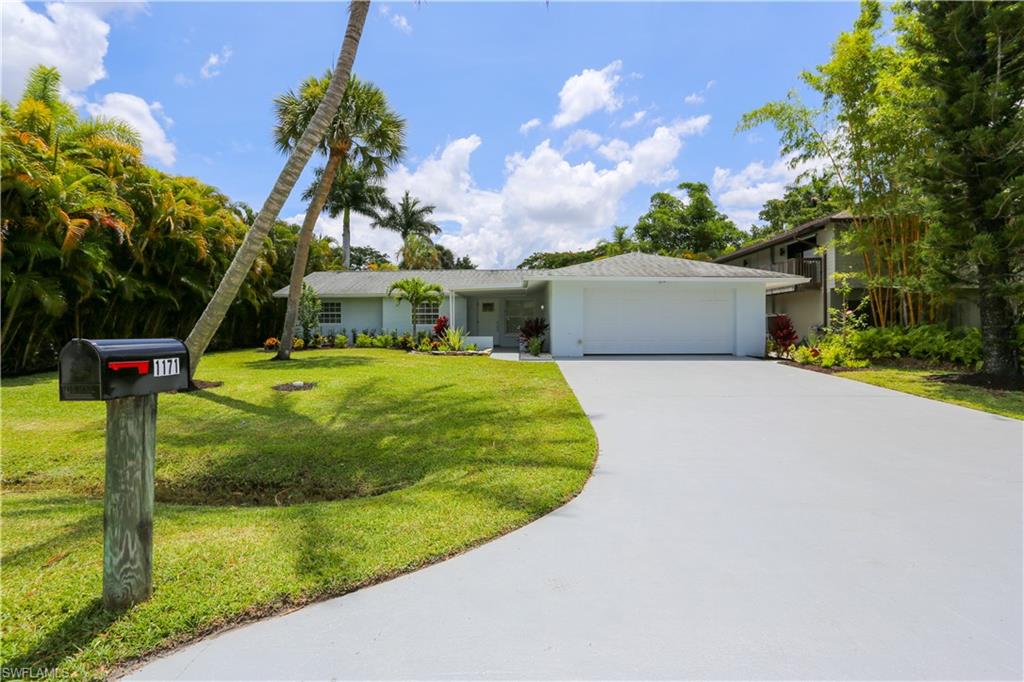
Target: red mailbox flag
[(142, 366)]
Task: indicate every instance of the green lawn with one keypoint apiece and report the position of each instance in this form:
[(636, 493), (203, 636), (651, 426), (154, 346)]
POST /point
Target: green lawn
[(916, 382), (267, 498)]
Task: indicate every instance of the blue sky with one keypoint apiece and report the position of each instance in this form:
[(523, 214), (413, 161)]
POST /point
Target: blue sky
[(530, 126)]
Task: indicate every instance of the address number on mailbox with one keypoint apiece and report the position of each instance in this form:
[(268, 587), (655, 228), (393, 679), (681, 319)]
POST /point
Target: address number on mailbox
[(166, 367)]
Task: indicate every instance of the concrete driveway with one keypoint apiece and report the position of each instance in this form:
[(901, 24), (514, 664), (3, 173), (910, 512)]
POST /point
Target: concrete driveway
[(746, 520)]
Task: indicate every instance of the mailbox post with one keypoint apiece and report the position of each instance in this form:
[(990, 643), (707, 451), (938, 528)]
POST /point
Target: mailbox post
[(127, 374)]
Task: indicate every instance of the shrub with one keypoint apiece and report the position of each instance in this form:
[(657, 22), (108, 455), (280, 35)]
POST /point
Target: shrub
[(425, 346), (318, 341), (927, 342), (535, 344), (364, 340), (309, 311), (472, 346), (341, 341), (271, 344), (454, 338), (783, 335), (532, 328), (803, 355), (384, 341), (441, 326), (406, 342), (298, 343)]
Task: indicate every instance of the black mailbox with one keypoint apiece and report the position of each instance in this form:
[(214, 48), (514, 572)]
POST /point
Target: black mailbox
[(104, 369)]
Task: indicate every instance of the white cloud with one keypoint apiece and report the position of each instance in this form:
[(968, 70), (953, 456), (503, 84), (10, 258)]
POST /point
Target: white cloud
[(216, 60), (182, 80), (634, 119), (581, 139), (587, 92), (142, 116), (529, 125), (401, 23), (699, 96), (741, 194), (546, 202), (71, 37)]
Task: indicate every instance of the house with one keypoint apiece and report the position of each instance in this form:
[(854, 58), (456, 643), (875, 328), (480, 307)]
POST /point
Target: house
[(810, 250), (633, 303)]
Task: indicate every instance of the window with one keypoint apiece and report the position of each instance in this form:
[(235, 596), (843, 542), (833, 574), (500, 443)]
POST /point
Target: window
[(426, 313), (330, 312), (517, 312), (487, 307)]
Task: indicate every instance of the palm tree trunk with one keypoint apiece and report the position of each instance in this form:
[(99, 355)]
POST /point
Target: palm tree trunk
[(346, 238), (227, 290), (316, 205)]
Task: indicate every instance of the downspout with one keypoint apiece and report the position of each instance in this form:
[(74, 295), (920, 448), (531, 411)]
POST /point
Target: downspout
[(451, 308)]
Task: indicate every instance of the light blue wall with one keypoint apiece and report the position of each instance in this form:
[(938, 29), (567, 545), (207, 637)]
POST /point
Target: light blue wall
[(356, 313)]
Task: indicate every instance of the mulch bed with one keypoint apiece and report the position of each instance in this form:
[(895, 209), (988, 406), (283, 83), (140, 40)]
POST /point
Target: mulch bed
[(199, 384), (295, 386)]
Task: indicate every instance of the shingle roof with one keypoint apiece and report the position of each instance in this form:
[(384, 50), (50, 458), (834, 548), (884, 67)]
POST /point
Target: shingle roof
[(798, 231), (650, 265), (376, 283)]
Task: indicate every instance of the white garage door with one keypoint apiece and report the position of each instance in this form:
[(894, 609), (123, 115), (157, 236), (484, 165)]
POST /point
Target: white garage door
[(658, 318)]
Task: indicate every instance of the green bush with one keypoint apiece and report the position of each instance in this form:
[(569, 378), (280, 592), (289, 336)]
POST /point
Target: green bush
[(805, 355), (928, 342), (364, 341), (384, 341), (534, 345), (472, 346), (341, 341), (425, 345), (298, 344)]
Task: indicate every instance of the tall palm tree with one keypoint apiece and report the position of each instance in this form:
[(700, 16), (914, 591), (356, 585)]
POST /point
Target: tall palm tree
[(311, 136), (355, 190), (364, 132), (409, 217), (415, 291)]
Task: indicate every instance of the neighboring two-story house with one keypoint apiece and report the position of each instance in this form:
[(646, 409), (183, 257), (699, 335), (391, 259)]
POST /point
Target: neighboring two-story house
[(809, 250)]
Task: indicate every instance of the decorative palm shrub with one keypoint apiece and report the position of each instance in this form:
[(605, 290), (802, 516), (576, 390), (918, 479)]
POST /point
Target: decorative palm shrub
[(415, 291), (534, 327), (454, 339)]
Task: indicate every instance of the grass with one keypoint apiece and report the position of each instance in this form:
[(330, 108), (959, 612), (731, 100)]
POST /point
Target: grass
[(268, 499), (918, 382)]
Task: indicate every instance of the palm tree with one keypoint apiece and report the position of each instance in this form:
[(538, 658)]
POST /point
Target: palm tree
[(418, 253), (355, 190), (409, 217), (416, 292), (364, 132), (302, 149)]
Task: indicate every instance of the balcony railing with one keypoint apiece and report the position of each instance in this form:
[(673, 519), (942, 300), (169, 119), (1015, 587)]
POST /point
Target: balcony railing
[(802, 267)]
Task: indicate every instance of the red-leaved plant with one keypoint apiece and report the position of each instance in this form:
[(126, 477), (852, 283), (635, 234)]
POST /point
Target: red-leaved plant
[(783, 334), (441, 325)]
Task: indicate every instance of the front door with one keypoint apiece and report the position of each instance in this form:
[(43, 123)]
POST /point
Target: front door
[(487, 320)]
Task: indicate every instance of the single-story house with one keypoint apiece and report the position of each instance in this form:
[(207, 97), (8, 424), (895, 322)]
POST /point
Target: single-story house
[(633, 303), (810, 250)]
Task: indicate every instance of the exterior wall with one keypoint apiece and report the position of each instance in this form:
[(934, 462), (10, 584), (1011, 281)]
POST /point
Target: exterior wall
[(805, 309), (565, 307), (750, 320), (356, 313)]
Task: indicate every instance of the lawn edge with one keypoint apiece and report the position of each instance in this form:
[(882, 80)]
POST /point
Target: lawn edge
[(287, 605), (841, 374)]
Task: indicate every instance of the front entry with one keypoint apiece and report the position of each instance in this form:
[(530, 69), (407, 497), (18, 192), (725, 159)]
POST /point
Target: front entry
[(487, 319)]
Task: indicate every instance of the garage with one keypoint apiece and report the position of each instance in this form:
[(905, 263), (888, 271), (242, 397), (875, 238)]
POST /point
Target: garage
[(646, 304), (667, 318)]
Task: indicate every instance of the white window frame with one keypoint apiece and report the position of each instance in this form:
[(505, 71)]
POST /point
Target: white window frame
[(330, 315), (427, 313)]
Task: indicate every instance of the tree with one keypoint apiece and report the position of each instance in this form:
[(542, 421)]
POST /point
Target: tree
[(971, 59), (309, 312), (311, 136), (803, 202), (868, 133), (691, 228), (418, 253), (364, 256), (619, 243), (356, 189), (408, 218), (448, 261), (364, 134), (549, 260), (416, 292)]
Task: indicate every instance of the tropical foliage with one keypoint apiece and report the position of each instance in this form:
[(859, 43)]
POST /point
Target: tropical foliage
[(97, 244), (415, 291)]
